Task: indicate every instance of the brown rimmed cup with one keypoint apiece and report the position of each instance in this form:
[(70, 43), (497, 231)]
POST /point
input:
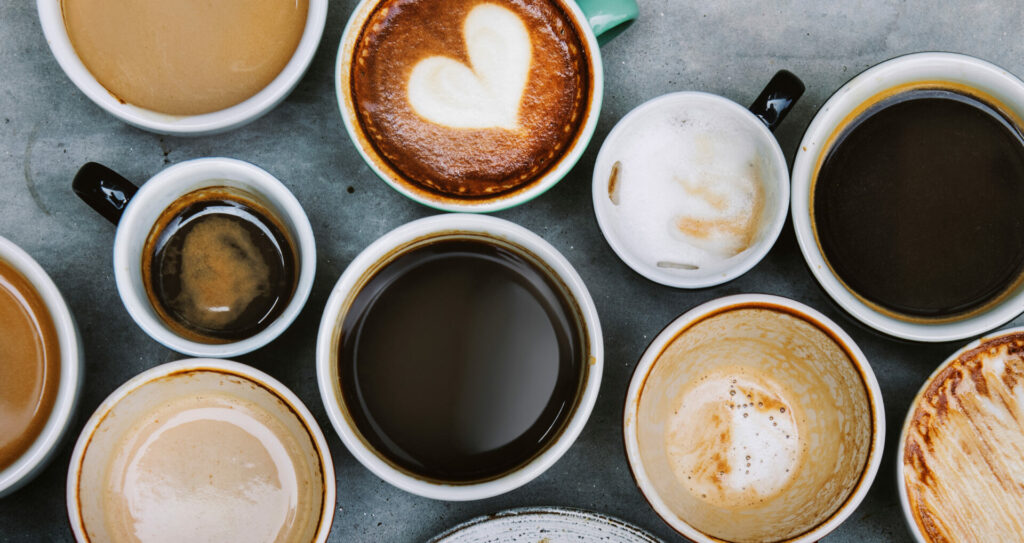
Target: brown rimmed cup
[(407, 238), (753, 418), (107, 432)]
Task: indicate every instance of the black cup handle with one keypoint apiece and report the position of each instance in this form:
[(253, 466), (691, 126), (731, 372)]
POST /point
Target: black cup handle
[(777, 98), (104, 190)]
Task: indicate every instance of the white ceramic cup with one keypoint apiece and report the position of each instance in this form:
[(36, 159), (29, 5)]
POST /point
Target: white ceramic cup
[(39, 454), (758, 121), (384, 250), (155, 386), (110, 193), (607, 18), (51, 18), (833, 117), (813, 384)]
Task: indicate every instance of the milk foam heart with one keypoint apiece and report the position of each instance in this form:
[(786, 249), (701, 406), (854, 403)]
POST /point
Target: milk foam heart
[(487, 93)]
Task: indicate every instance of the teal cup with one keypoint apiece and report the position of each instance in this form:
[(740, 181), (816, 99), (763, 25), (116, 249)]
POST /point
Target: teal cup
[(596, 22)]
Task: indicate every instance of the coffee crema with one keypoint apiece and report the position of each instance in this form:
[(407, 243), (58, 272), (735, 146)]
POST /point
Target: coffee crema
[(916, 205), (185, 57), (461, 360), (210, 467), (964, 442), (29, 364), (474, 104), (218, 266)]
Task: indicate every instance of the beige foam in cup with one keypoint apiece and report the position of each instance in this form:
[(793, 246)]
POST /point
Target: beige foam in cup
[(960, 467), (196, 453), (753, 422)]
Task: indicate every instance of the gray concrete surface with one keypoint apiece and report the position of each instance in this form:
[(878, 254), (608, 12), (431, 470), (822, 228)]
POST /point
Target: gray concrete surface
[(48, 129)]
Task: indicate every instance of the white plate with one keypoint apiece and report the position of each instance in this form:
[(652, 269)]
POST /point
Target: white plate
[(548, 524)]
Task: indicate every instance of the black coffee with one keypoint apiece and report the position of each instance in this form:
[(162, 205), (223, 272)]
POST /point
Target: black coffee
[(460, 360), (919, 204), (218, 268)]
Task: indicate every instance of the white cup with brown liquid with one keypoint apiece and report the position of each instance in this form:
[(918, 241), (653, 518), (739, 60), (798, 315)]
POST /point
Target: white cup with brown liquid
[(184, 68)]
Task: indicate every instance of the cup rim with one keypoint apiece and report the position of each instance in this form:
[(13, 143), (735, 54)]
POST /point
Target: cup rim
[(440, 225), (499, 202), (52, 21), (137, 218), (42, 450), (238, 369), (729, 303), (741, 266), (812, 146), (908, 514)]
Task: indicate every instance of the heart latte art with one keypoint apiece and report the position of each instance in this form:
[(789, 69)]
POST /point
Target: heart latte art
[(474, 104), (485, 94)]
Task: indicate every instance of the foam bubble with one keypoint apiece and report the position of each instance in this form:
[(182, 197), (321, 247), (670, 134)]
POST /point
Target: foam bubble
[(690, 185), (733, 439), (485, 94)]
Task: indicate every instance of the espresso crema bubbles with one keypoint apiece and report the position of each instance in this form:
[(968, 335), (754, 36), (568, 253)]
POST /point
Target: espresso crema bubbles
[(474, 104)]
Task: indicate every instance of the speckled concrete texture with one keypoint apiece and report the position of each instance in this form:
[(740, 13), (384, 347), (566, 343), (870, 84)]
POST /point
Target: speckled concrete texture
[(48, 129)]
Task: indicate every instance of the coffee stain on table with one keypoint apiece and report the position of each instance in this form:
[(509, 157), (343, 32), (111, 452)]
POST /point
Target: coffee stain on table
[(30, 183)]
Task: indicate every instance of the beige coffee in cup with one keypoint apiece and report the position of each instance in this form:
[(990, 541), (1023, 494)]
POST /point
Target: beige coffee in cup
[(29, 364), (185, 57), (469, 99), (754, 424), (201, 455), (963, 446)]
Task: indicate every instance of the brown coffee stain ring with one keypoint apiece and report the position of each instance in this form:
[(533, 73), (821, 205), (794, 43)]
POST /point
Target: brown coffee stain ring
[(857, 364), (841, 127)]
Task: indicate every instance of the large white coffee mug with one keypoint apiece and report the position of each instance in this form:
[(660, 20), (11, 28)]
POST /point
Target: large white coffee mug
[(42, 450), (385, 250), (51, 17), (844, 106), (135, 214)]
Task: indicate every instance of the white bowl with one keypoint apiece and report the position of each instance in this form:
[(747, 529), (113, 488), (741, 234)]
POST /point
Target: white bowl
[(382, 251), (919, 67), (51, 18), (39, 454)]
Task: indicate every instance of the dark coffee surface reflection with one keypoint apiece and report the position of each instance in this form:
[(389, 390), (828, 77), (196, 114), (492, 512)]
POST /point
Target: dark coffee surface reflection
[(219, 269), (460, 360), (918, 204)]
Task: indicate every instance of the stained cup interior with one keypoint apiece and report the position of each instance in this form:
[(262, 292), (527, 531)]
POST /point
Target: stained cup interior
[(753, 424)]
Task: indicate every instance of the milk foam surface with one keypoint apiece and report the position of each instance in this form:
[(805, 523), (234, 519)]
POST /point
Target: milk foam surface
[(206, 468), (689, 186), (733, 438), (486, 93)]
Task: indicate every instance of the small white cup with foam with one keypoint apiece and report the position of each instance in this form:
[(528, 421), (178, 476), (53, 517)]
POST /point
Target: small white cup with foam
[(691, 189)]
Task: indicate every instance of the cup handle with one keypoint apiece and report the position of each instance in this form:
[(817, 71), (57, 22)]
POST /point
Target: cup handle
[(104, 190), (777, 98), (608, 18)]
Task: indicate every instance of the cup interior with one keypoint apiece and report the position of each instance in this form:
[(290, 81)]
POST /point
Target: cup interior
[(409, 238), (38, 455), (753, 421), (993, 85), (52, 21), (107, 438), (630, 240), (146, 207), (383, 169)]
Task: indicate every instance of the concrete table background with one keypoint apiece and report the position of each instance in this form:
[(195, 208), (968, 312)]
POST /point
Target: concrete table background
[(48, 129)]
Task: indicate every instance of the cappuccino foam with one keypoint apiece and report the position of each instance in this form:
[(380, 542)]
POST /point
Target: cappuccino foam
[(686, 184), (474, 104)]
